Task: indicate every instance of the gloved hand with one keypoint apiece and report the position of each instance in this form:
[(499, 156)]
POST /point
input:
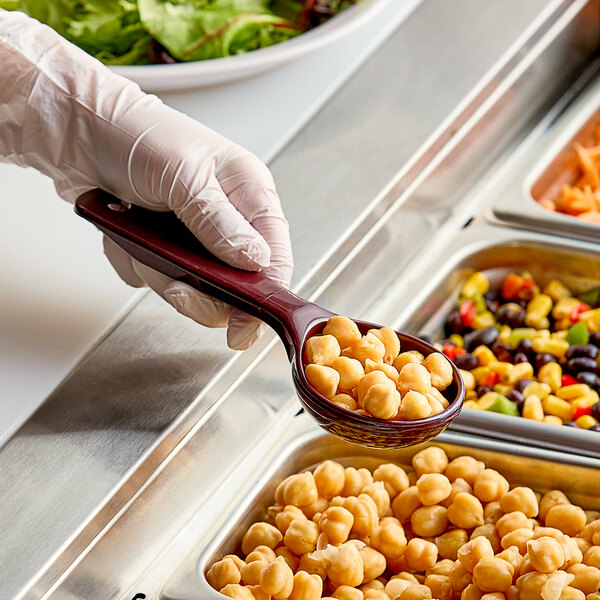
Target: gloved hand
[(70, 117)]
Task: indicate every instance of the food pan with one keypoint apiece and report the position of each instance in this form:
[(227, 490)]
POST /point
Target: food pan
[(546, 161), (497, 251), (543, 470)]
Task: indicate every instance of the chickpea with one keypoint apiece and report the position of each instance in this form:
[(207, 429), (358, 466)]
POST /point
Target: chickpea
[(379, 494), (314, 564), (471, 592), (518, 537), (258, 593), (376, 595), (322, 349), (239, 563), (405, 503), (520, 498), (345, 401), (429, 521), (382, 401), (251, 571), (434, 403), (316, 508), (336, 522), (448, 543), (492, 512), (324, 380), (511, 521), (512, 593), (493, 596), (570, 519), (237, 592), (299, 489), (374, 584), (513, 556), (545, 554), (458, 485), (460, 578), (587, 579), (488, 530), (406, 576), (492, 574), (389, 371), (573, 553), (260, 534), (345, 564), (301, 536), (343, 329), (592, 557), (530, 585), (415, 591), (390, 341), (420, 554), (290, 558), (286, 516), (592, 515), (433, 488), (594, 596), (261, 553), (440, 370), (582, 544), (440, 586), (571, 593), (489, 486), (394, 478), (306, 587), (591, 532), (473, 551), (464, 467), (414, 377), (412, 356), (551, 499), (395, 586), (465, 511), (277, 579), (430, 460), (413, 406), (388, 538), (369, 346), (374, 563), (365, 513), (345, 592), (329, 478), (441, 567), (222, 573), (350, 371), (369, 380), (355, 480)]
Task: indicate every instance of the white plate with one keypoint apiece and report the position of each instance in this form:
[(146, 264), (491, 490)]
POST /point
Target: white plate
[(221, 70)]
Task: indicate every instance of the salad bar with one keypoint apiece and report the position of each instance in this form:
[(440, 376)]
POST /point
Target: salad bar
[(236, 493)]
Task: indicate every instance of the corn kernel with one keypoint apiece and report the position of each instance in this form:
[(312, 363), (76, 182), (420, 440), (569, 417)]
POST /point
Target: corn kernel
[(564, 307), (541, 390), (532, 408), (503, 388), (537, 309), (502, 368), (471, 404), (570, 392), (522, 370), (557, 290), (586, 421), (557, 407), (468, 380), (484, 355), (457, 340), (582, 401), (592, 319), (551, 373), (552, 420), (504, 333), (483, 320), (480, 372), (487, 400), (471, 395), (550, 346), (476, 284)]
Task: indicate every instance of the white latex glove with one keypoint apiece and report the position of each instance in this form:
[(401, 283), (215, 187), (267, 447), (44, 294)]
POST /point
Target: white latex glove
[(67, 115)]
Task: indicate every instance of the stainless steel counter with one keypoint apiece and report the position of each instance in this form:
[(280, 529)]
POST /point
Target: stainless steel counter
[(456, 82)]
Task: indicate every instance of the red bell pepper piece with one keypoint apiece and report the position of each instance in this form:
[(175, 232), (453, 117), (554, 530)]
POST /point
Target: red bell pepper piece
[(511, 286), (581, 411), (491, 379), (567, 380), (580, 308), (452, 351), (468, 312)]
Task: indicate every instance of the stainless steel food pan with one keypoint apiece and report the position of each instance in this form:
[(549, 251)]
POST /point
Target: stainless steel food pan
[(542, 470), (543, 164), (496, 251)]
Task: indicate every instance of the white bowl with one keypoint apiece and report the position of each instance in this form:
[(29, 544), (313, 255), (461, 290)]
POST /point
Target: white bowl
[(220, 70)]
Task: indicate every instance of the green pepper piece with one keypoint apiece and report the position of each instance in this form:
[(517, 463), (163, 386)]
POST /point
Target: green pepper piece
[(504, 406), (518, 334), (578, 334), (591, 297)]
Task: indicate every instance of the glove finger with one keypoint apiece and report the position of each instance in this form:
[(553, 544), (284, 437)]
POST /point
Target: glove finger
[(243, 330), (222, 229), (122, 263), (197, 306)]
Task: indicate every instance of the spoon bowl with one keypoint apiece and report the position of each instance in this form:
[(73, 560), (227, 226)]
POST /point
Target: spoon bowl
[(161, 241)]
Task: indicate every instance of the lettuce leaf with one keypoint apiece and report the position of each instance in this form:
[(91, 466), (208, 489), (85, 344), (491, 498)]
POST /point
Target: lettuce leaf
[(202, 29)]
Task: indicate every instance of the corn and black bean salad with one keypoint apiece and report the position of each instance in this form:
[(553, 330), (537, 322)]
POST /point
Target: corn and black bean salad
[(528, 351)]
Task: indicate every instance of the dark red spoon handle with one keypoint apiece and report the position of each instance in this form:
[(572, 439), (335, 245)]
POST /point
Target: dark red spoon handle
[(161, 241)]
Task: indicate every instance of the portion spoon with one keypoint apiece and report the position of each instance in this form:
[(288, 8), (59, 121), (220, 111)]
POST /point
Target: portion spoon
[(161, 241)]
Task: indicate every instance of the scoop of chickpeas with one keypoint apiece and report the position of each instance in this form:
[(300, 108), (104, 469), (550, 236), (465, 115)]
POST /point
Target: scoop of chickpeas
[(459, 532), (370, 373)]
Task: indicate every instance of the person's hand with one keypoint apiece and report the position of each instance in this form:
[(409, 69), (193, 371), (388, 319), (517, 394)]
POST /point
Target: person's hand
[(70, 117)]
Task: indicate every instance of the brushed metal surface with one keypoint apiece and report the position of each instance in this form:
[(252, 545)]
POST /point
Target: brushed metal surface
[(405, 135)]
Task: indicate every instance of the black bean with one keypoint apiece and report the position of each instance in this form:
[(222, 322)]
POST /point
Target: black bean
[(510, 314), (542, 359), (453, 323), (522, 302), (585, 351), (480, 390), (596, 411), (520, 357), (502, 351), (595, 338), (492, 305), (581, 363), (516, 397), (466, 362), (482, 337), (571, 424), (522, 384), (588, 378), (525, 346), (595, 427)]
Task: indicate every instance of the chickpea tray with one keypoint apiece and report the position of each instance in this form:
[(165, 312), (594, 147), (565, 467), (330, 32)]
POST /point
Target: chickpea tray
[(458, 518)]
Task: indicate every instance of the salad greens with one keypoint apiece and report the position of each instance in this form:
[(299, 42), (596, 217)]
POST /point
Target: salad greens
[(123, 32)]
